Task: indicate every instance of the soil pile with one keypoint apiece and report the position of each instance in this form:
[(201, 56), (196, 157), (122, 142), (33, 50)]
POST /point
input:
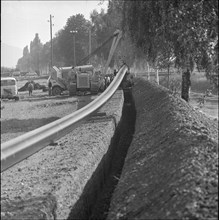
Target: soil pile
[(35, 86), (171, 169)]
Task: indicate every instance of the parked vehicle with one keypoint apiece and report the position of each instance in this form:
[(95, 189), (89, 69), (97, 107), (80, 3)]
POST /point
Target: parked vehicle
[(9, 88), (16, 74), (6, 74), (74, 79)]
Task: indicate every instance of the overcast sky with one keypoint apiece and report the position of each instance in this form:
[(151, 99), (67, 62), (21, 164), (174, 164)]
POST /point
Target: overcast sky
[(21, 20)]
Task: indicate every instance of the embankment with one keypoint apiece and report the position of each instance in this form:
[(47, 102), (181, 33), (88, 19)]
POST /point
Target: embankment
[(171, 167)]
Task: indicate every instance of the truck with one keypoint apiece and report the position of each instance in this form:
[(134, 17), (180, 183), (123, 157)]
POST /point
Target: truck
[(74, 79), (82, 78)]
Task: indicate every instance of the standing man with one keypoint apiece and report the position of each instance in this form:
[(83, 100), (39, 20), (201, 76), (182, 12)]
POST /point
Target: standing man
[(50, 88), (30, 88)]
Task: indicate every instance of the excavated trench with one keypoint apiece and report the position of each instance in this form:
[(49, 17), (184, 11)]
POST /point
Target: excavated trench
[(170, 170), (95, 200)]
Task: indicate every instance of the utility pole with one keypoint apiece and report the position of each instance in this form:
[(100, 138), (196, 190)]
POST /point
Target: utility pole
[(89, 44), (51, 49), (74, 32)]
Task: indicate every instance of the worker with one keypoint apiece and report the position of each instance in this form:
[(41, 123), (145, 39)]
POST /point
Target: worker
[(107, 81), (111, 78), (30, 88), (106, 84), (50, 88)]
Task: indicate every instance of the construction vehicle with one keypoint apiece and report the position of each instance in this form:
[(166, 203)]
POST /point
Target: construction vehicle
[(80, 78), (84, 77)]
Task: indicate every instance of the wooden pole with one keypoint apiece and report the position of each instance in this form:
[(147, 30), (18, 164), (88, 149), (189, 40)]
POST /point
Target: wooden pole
[(51, 59), (74, 50), (89, 44)]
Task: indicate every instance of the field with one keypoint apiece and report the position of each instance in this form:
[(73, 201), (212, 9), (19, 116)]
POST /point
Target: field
[(199, 85), (31, 112)]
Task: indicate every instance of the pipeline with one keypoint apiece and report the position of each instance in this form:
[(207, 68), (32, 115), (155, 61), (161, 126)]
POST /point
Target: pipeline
[(25, 145), (95, 199)]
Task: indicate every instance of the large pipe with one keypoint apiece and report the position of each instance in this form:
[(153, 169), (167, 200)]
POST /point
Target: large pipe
[(27, 144)]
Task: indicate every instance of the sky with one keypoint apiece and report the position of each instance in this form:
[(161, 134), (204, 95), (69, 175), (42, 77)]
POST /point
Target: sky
[(21, 20)]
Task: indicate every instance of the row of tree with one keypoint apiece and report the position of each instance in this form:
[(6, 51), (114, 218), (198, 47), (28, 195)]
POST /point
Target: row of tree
[(102, 25), (170, 33), (38, 57), (179, 32)]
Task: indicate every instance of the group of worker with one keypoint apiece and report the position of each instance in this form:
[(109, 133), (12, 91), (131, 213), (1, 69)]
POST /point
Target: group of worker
[(109, 78), (126, 83)]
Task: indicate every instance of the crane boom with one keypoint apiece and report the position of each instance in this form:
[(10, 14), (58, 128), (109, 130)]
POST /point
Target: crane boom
[(117, 36)]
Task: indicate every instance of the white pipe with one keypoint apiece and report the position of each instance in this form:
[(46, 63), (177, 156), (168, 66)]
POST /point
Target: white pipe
[(27, 144)]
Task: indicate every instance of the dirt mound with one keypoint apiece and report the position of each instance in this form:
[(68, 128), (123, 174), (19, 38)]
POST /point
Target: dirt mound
[(35, 85), (171, 169)]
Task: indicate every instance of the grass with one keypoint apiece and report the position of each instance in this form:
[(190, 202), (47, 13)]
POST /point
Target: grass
[(199, 85)]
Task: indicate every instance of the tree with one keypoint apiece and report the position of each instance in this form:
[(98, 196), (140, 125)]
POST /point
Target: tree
[(45, 57), (182, 26), (35, 50), (58, 58), (23, 63), (126, 50), (65, 39), (102, 30), (103, 27)]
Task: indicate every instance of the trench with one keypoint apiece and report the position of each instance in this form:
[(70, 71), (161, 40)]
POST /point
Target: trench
[(95, 200)]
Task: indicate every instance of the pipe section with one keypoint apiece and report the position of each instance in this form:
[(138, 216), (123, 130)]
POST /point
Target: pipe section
[(25, 145)]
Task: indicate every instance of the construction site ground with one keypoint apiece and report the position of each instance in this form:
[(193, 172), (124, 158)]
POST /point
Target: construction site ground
[(171, 167)]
